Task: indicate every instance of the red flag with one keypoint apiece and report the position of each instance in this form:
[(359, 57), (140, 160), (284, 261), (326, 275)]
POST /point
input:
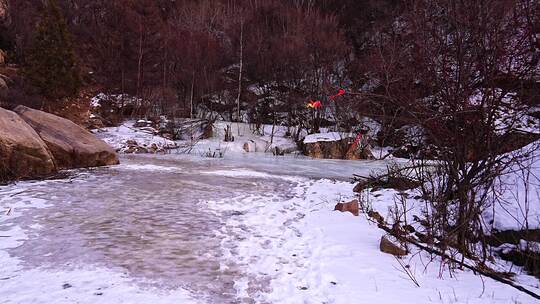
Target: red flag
[(355, 144), (340, 92)]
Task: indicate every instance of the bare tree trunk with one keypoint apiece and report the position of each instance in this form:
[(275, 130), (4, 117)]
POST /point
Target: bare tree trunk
[(273, 129), (191, 97), (240, 73), (273, 123), (139, 64)]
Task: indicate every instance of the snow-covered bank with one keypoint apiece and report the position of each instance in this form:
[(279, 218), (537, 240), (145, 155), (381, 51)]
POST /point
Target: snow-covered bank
[(512, 201), (301, 251), (268, 139), (122, 136)]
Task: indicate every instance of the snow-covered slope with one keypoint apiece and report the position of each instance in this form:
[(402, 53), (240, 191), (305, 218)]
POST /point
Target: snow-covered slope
[(119, 138), (243, 134), (518, 195)]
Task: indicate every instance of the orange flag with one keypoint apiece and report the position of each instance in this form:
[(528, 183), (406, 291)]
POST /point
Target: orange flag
[(314, 104)]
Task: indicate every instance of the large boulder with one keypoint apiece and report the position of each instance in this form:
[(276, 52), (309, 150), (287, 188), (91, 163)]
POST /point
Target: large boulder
[(71, 145), (23, 154)]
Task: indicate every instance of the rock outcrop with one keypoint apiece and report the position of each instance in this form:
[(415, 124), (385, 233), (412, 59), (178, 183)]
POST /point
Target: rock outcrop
[(71, 145), (335, 145), (23, 154)]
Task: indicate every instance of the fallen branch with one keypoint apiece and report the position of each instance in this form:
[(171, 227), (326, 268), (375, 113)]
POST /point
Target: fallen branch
[(470, 267), (358, 178)]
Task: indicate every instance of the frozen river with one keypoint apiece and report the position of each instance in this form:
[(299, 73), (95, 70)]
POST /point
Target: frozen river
[(148, 219), (177, 229)]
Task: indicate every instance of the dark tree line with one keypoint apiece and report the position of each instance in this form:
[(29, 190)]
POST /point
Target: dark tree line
[(50, 64), (182, 54), (271, 56)]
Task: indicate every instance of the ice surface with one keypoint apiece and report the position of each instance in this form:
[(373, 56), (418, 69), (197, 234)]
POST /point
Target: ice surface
[(148, 217)]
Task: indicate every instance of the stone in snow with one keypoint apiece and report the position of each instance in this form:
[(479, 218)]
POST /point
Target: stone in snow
[(351, 207)]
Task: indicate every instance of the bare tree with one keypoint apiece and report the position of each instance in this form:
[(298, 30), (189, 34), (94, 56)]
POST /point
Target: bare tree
[(462, 71)]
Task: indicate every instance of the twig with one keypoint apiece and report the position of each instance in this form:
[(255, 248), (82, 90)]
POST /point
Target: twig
[(407, 271)]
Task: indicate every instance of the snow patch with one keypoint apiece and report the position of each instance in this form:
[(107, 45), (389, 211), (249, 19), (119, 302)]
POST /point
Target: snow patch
[(118, 137), (147, 167), (325, 137)]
